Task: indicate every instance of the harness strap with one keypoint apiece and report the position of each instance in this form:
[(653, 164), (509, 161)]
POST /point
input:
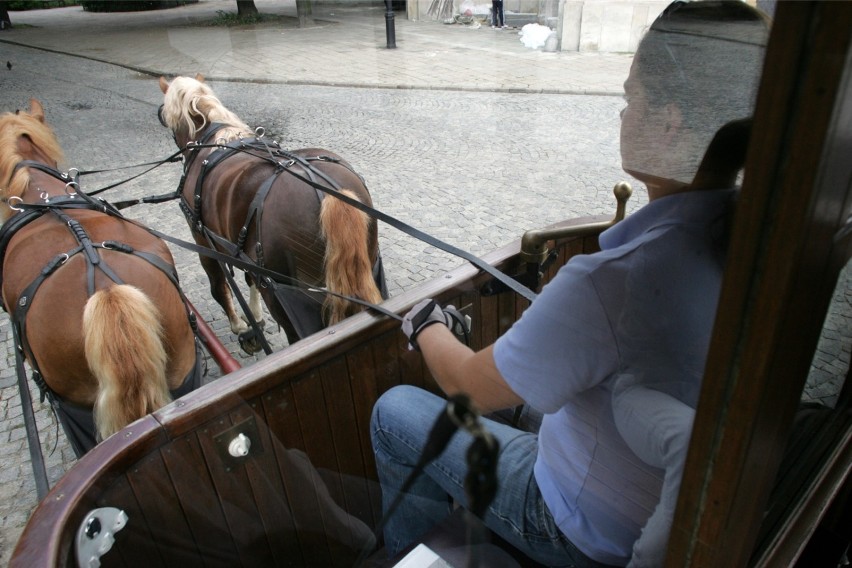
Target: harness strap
[(255, 326), (33, 441), (280, 279), (256, 210), (63, 177), (93, 259)]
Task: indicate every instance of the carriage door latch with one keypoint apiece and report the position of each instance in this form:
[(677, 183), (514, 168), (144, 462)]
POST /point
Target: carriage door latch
[(96, 535)]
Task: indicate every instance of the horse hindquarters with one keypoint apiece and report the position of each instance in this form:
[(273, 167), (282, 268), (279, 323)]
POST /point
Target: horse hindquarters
[(123, 340), (348, 268)]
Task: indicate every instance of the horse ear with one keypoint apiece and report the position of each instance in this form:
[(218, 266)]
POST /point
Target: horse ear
[(164, 85), (199, 77), (36, 110)]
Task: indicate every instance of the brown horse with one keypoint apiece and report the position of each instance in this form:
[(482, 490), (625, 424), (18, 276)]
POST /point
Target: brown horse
[(93, 297), (244, 196)]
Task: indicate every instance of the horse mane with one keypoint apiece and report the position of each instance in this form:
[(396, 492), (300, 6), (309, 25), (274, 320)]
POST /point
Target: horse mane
[(12, 127), (187, 99)]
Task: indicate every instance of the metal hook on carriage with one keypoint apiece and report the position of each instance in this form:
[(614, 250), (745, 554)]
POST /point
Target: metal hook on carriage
[(12, 207)]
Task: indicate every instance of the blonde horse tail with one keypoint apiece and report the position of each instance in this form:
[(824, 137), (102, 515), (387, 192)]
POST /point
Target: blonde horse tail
[(348, 268), (123, 341)]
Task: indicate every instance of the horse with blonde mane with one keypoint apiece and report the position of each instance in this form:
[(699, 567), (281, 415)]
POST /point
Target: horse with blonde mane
[(93, 297), (248, 198)]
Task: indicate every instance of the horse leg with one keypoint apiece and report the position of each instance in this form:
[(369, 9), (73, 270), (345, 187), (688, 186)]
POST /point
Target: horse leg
[(255, 301), (222, 294), (279, 314), (249, 341)]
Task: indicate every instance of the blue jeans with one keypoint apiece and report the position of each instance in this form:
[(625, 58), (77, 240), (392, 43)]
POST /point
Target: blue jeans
[(401, 422)]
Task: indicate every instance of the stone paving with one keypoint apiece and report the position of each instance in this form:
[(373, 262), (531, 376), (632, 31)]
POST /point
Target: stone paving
[(459, 131)]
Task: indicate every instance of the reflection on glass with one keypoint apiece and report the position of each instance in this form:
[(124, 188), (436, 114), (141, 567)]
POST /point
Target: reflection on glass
[(831, 359)]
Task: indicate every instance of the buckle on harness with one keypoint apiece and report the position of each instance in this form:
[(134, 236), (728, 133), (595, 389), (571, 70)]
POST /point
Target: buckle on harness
[(115, 245)]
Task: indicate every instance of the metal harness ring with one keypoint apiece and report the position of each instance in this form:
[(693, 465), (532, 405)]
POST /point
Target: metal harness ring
[(12, 207)]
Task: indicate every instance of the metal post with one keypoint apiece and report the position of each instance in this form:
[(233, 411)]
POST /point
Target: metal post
[(389, 25)]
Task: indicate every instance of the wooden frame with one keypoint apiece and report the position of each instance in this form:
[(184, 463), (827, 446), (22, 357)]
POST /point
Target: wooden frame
[(782, 268)]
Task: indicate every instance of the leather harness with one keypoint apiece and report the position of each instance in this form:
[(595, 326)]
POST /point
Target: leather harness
[(94, 262), (302, 307)]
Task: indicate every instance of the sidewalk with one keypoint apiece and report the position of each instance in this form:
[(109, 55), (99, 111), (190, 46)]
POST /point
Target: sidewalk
[(346, 46)]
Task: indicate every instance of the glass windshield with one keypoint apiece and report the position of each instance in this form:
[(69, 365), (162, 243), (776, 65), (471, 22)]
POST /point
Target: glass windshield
[(467, 123)]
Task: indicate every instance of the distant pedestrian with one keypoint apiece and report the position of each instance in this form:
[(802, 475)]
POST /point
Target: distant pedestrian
[(6, 22), (497, 18)]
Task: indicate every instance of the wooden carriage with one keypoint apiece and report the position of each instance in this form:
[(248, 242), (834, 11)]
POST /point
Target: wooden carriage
[(298, 492)]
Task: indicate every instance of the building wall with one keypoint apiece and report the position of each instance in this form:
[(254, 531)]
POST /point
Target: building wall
[(581, 25)]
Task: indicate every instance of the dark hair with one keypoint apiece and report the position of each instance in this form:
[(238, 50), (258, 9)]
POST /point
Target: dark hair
[(705, 57), (673, 54)]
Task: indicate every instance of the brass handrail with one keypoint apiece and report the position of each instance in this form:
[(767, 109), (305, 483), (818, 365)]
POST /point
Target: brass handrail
[(534, 242)]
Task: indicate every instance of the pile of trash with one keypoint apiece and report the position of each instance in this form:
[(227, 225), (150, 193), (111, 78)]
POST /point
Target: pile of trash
[(471, 10)]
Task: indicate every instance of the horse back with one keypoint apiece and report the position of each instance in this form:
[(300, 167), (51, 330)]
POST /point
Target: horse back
[(289, 233), (53, 323)]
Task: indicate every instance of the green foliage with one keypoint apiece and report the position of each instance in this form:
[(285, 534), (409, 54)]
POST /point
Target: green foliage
[(15, 5), (224, 18)]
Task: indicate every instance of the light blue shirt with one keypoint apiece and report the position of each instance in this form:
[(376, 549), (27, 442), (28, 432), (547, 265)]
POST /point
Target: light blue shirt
[(639, 312)]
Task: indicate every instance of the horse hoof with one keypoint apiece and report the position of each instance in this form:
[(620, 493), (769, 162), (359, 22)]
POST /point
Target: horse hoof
[(261, 323), (248, 342)]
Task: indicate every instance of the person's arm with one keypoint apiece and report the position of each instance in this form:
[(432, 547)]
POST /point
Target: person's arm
[(458, 369)]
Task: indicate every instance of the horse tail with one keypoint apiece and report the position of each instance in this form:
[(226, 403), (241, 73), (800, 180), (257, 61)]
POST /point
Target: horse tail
[(123, 341), (348, 269)]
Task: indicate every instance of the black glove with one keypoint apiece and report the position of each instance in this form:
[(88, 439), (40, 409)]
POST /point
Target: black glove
[(427, 312)]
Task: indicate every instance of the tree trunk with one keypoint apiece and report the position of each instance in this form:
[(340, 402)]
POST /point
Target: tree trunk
[(5, 21), (246, 8), (305, 13)]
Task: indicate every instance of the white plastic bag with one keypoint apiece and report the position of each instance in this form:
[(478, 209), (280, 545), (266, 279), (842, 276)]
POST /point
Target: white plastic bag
[(534, 35)]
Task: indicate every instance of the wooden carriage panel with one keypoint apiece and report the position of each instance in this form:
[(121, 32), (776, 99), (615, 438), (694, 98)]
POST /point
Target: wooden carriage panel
[(279, 406), (411, 365), (364, 395), (386, 357), (135, 536), (233, 489), (346, 435), (170, 534), (286, 440), (488, 320), (49, 537), (267, 490), (314, 422), (196, 496)]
